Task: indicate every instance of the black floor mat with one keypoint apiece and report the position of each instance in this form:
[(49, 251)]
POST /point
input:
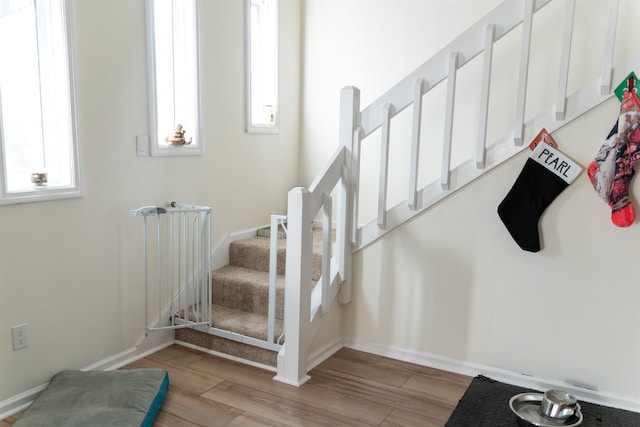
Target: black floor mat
[(486, 404)]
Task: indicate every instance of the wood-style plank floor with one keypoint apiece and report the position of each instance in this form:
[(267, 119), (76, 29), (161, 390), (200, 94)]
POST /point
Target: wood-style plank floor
[(351, 388)]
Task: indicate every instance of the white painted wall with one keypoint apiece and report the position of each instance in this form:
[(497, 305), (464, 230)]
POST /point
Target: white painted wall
[(71, 269), (452, 282)]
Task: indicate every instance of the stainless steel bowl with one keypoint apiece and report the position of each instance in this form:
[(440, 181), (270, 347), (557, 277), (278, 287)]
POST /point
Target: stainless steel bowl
[(526, 406), (558, 404)]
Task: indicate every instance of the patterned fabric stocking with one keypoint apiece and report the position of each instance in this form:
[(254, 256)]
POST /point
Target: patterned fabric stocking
[(614, 166), (622, 212), (602, 170)]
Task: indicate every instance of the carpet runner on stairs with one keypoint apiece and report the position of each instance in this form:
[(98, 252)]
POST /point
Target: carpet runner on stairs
[(240, 296)]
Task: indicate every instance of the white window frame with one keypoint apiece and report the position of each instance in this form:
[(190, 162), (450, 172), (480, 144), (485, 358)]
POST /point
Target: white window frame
[(190, 85), (270, 52), (57, 104)]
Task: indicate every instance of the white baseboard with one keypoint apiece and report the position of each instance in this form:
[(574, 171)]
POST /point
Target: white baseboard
[(323, 353), (113, 362), (148, 345), (473, 369), (20, 402)]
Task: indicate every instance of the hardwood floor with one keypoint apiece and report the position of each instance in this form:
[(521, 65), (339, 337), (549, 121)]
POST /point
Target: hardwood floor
[(351, 388)]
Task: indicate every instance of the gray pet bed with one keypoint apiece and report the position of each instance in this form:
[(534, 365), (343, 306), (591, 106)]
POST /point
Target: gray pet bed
[(99, 399)]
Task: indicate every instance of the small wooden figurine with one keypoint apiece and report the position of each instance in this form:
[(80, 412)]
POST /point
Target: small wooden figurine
[(177, 137)]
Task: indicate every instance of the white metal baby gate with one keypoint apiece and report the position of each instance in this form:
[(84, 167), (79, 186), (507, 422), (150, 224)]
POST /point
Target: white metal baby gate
[(177, 259)]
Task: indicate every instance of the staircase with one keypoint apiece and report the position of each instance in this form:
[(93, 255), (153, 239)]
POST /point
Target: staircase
[(346, 176), (334, 196), (240, 297)]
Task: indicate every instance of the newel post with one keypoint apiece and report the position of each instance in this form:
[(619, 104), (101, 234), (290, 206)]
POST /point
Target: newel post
[(293, 356), (349, 137)]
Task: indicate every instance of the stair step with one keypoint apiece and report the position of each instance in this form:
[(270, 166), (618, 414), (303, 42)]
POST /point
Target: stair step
[(237, 321), (224, 346), (243, 322), (245, 289), (240, 297), (240, 322), (253, 253)]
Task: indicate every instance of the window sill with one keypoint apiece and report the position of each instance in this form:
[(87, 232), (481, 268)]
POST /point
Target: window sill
[(263, 129), (175, 150), (40, 194)]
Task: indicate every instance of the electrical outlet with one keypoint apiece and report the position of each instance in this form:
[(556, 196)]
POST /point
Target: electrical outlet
[(20, 336)]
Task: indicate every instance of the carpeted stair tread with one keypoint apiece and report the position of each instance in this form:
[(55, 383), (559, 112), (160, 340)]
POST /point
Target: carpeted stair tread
[(225, 346), (240, 297), (242, 322), (253, 253), (244, 274), (245, 289), (238, 321)]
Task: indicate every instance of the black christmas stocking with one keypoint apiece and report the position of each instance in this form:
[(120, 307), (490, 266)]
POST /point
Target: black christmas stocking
[(546, 174)]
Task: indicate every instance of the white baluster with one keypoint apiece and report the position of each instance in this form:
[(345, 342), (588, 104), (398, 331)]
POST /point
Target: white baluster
[(561, 100), (484, 95), (607, 63), (418, 91), (384, 165), (448, 121), (524, 72)]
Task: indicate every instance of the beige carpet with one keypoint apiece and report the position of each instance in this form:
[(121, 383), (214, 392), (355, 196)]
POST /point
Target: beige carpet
[(240, 297)]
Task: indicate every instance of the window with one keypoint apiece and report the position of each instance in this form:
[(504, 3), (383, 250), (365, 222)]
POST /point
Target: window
[(37, 106), (262, 66), (172, 40)]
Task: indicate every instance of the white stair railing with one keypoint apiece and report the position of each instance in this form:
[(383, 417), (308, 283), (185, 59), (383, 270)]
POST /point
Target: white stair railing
[(445, 65), (303, 307), (304, 304)]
